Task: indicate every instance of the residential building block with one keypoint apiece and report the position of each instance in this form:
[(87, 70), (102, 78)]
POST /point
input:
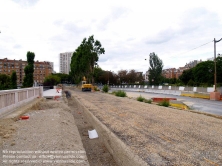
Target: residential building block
[(41, 69), (64, 62)]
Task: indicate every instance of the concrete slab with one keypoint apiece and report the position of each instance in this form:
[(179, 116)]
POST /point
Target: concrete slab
[(52, 93)]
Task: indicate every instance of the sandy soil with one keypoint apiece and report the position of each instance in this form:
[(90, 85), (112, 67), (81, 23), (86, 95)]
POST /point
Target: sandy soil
[(48, 137), (159, 135)]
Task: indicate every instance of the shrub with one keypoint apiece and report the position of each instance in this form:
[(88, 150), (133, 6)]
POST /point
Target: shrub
[(140, 98), (105, 88), (147, 101), (120, 93), (164, 103), (96, 88)]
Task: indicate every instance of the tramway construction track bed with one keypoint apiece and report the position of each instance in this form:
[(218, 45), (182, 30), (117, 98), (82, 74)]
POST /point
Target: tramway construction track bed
[(137, 133)]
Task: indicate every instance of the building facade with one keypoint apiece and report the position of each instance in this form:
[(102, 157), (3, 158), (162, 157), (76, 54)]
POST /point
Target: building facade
[(41, 69), (64, 62)]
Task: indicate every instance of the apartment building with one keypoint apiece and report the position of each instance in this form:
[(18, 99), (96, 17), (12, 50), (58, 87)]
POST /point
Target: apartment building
[(176, 73), (41, 69), (64, 62), (169, 73)]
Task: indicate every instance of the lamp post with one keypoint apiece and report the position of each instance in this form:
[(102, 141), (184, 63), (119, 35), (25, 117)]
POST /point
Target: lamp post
[(215, 95), (215, 68)]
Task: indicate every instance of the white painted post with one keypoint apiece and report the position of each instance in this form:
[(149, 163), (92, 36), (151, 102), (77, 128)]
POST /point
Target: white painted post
[(27, 94), (16, 98), (41, 91)]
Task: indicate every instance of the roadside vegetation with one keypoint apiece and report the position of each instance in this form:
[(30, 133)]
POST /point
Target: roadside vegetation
[(105, 88), (119, 93), (164, 103), (142, 99)]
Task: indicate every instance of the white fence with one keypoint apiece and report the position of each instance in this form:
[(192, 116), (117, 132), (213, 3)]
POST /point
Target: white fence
[(10, 99)]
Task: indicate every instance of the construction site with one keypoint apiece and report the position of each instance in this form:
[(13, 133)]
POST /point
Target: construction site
[(55, 131)]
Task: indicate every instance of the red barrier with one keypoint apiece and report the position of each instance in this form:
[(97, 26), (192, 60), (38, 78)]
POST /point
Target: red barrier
[(159, 99)]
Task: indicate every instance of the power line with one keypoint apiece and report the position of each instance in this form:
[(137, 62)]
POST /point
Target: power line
[(195, 48)]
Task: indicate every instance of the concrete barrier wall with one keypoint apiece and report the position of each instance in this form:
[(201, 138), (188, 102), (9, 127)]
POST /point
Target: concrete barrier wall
[(10, 99), (172, 88), (199, 92)]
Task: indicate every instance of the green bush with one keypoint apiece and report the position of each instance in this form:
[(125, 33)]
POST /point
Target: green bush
[(120, 93), (164, 103), (96, 88), (140, 98), (105, 88), (147, 101)]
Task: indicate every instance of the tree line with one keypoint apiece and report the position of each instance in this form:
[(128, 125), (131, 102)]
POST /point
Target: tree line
[(121, 77), (8, 82), (203, 74)]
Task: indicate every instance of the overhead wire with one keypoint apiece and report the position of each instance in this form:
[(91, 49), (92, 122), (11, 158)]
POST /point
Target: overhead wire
[(195, 48)]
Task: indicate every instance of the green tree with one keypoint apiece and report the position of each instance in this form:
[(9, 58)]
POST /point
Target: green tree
[(219, 69), (85, 59), (4, 82), (13, 80), (187, 75), (191, 83), (204, 73), (155, 69), (29, 69), (52, 80), (98, 72), (65, 78)]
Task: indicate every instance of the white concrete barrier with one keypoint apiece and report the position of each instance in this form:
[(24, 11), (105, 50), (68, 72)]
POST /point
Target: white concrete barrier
[(10, 99), (209, 89), (181, 88), (194, 89)]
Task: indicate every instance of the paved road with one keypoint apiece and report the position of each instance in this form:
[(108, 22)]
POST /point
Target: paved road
[(202, 105)]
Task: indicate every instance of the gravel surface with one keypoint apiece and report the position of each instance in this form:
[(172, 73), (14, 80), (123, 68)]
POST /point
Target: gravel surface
[(159, 135)]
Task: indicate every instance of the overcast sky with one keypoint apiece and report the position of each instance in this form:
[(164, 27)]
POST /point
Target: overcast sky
[(128, 30)]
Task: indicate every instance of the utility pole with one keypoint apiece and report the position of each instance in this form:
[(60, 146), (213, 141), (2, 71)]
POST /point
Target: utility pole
[(215, 68)]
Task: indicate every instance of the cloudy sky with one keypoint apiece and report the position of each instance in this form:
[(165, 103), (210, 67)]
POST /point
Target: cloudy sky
[(128, 30)]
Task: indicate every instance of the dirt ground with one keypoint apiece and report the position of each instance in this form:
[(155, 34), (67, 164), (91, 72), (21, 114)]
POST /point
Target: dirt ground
[(52, 127), (48, 137), (159, 135)]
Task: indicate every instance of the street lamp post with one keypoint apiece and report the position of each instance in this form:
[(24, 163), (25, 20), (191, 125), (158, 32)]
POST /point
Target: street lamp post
[(215, 95), (215, 68)]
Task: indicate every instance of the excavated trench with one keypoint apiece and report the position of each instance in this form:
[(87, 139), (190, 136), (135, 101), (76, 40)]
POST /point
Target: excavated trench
[(96, 151)]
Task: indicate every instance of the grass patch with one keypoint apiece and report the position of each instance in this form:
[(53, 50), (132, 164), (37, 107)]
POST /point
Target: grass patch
[(147, 101), (164, 103), (120, 93), (140, 98)]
